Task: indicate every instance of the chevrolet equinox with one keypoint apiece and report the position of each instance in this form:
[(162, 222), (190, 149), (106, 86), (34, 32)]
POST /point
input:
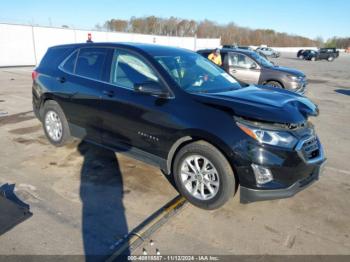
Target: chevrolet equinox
[(173, 108)]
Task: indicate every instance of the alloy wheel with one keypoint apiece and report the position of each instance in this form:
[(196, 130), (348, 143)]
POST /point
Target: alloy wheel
[(200, 177), (53, 125)]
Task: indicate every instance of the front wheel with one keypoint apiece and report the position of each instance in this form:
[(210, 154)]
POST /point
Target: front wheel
[(313, 59), (203, 175), (274, 84), (330, 59)]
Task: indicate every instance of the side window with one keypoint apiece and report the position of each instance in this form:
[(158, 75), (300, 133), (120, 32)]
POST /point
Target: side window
[(240, 61), (90, 62), (128, 69), (70, 62)]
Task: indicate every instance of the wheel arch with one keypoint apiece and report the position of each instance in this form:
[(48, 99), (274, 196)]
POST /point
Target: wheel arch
[(210, 139), (274, 80), (43, 99)]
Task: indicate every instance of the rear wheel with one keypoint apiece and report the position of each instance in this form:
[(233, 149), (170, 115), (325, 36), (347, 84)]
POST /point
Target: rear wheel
[(313, 59), (274, 84), (330, 59), (203, 175), (55, 124)]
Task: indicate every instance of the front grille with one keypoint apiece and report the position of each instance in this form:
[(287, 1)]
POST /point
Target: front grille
[(310, 149)]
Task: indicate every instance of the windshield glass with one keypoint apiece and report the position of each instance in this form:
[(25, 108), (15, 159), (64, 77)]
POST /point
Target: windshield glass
[(261, 60), (197, 74)]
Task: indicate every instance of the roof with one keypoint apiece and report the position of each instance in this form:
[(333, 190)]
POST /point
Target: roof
[(152, 49)]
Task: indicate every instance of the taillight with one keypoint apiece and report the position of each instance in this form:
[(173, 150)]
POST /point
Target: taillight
[(34, 75)]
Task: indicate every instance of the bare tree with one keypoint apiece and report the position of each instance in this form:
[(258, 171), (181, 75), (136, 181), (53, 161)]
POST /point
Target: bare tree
[(230, 33)]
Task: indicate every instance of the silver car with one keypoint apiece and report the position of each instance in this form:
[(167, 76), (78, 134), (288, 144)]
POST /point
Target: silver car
[(268, 51), (251, 68)]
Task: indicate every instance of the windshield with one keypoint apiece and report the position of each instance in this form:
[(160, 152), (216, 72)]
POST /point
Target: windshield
[(197, 74), (262, 60)]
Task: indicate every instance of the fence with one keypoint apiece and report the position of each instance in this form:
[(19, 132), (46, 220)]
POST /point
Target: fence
[(25, 45)]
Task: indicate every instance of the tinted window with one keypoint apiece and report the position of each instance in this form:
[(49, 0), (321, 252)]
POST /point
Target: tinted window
[(70, 63), (90, 62), (55, 56), (128, 70)]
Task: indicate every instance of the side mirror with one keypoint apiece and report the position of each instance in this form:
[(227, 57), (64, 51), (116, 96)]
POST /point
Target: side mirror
[(151, 88), (254, 66)]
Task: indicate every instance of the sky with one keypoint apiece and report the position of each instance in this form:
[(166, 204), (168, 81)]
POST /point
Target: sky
[(310, 18)]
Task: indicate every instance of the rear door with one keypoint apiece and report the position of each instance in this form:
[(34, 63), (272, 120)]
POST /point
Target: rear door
[(82, 77), (243, 68)]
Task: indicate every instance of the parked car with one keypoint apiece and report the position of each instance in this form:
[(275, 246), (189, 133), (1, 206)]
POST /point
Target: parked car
[(300, 53), (303, 53), (269, 52), (309, 55), (251, 68), (329, 54), (174, 109)]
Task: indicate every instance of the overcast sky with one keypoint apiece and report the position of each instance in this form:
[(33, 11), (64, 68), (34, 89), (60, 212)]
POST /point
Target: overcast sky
[(310, 18)]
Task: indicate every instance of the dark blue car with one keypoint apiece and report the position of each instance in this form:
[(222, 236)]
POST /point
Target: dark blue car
[(174, 109)]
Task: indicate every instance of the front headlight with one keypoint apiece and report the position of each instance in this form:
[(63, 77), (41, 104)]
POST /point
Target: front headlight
[(270, 137)]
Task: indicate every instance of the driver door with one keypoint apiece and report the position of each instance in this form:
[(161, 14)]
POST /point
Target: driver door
[(244, 68), (132, 119)]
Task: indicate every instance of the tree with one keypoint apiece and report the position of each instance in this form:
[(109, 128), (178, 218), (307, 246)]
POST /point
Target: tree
[(117, 25), (230, 33)]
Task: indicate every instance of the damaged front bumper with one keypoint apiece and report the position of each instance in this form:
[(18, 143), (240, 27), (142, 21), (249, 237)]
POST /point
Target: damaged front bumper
[(248, 195)]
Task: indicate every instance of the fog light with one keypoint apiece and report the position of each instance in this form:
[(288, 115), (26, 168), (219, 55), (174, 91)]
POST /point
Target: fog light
[(263, 175)]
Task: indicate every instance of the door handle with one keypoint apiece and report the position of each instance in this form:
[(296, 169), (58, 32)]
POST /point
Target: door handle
[(109, 93), (61, 79)]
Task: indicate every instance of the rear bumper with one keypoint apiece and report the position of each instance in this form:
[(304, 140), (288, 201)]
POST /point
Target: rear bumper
[(248, 195)]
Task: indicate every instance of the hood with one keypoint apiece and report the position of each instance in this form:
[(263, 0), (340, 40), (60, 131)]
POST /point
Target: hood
[(262, 103), (288, 70)]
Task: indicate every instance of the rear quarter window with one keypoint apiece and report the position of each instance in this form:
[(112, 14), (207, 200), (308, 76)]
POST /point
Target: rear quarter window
[(53, 57), (69, 64)]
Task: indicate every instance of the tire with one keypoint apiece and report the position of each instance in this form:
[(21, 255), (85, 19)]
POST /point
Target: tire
[(274, 84), (330, 59), (219, 177), (301, 57), (313, 59), (55, 124)]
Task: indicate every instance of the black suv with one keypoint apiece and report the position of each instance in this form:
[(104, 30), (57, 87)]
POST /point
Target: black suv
[(329, 54), (174, 109)]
